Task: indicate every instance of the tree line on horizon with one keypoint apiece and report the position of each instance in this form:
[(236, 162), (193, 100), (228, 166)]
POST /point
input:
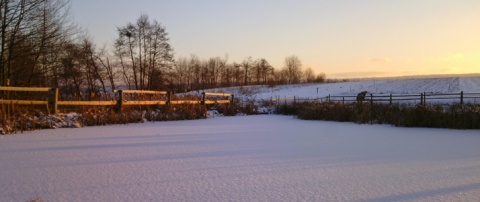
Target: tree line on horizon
[(40, 46)]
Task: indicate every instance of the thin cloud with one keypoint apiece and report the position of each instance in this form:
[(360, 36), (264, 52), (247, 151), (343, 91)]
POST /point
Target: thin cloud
[(379, 60), (456, 56), (359, 74)]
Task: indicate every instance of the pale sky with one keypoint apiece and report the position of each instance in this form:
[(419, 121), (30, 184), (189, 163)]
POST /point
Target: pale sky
[(343, 38)]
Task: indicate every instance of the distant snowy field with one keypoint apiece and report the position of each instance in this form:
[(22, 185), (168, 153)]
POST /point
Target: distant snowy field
[(379, 86), (251, 158)]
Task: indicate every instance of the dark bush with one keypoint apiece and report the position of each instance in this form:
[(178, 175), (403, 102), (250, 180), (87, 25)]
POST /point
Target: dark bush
[(456, 116)]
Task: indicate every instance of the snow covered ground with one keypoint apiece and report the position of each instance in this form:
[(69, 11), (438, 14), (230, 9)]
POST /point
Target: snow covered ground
[(246, 158), (251, 158), (377, 86)]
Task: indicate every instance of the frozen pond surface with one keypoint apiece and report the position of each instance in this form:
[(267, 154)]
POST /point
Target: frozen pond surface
[(249, 158)]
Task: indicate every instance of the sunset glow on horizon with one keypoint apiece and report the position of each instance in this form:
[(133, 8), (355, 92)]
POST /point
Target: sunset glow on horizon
[(344, 39)]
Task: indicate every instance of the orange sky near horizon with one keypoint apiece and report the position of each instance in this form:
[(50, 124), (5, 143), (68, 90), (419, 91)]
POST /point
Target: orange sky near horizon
[(456, 63), (344, 39)]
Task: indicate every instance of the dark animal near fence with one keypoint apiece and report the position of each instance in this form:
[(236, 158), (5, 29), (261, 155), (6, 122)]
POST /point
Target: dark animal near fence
[(361, 96)]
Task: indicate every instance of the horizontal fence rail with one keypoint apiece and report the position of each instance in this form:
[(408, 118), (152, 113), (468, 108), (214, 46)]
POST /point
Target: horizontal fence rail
[(151, 92), (30, 89), (87, 103), (422, 98), (125, 98), (23, 102)]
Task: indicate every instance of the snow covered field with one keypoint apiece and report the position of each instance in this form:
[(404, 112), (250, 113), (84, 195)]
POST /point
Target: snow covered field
[(246, 158), (378, 86)]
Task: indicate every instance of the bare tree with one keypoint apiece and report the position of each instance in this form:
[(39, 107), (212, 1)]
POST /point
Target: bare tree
[(32, 34), (228, 75), (281, 76), (309, 75), (183, 74), (9, 27), (321, 78), (71, 75), (293, 67), (212, 68), (93, 64), (53, 29), (246, 65), (144, 53), (263, 71), (104, 61), (195, 70)]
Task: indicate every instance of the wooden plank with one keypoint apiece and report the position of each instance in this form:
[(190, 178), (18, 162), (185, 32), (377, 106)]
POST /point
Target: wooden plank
[(209, 102), (24, 102), (222, 101), (145, 92), (55, 101), (30, 89), (177, 102), (219, 94), (144, 102), (88, 103)]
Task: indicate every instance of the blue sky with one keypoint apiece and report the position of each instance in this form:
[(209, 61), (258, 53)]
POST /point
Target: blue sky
[(343, 38)]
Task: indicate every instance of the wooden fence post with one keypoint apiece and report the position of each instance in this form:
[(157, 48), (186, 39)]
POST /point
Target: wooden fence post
[(203, 103), (390, 99), (120, 100), (421, 98), (231, 106), (169, 97), (372, 111), (461, 97), (371, 100), (54, 101)]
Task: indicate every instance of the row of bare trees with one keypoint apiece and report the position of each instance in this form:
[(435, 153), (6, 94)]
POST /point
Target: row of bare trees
[(41, 46), (193, 73)]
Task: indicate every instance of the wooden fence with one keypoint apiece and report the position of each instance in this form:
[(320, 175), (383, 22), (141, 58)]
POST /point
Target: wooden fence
[(422, 98), (124, 98)]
